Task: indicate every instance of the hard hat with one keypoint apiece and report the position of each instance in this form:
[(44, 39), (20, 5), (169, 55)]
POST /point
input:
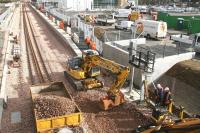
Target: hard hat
[(166, 88), (159, 86)]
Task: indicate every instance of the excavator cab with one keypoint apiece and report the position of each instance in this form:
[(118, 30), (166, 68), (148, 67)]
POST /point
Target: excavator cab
[(79, 77), (75, 65)]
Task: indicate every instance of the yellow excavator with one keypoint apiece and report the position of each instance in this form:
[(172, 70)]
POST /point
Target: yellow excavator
[(82, 72), (81, 77)]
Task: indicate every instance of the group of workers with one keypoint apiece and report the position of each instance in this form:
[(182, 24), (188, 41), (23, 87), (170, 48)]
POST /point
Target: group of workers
[(163, 96)]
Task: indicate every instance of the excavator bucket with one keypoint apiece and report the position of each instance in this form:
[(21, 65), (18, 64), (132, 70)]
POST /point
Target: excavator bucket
[(107, 103)]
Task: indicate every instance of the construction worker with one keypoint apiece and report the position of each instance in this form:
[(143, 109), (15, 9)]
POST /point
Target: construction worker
[(159, 94), (167, 97)]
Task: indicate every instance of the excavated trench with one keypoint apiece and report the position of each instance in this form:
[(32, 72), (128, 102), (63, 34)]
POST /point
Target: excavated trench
[(183, 79)]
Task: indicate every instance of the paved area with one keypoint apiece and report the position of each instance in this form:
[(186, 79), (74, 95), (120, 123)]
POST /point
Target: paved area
[(18, 116), (15, 117), (162, 48)]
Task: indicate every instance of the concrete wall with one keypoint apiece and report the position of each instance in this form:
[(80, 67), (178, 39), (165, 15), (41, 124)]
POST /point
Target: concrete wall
[(120, 56), (124, 44), (116, 54), (161, 66)]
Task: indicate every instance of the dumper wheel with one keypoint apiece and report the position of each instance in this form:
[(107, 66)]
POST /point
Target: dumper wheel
[(125, 29)]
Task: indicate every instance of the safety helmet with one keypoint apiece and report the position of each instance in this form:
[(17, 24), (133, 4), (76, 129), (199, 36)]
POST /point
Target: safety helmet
[(159, 86), (166, 88)]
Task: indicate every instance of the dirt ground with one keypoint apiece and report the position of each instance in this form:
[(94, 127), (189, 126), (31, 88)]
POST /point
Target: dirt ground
[(122, 119), (183, 79), (188, 72)]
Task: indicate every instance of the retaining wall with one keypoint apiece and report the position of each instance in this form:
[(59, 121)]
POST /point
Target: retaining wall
[(161, 65)]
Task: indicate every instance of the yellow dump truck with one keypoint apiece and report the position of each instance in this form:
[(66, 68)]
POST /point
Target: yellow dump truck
[(53, 92)]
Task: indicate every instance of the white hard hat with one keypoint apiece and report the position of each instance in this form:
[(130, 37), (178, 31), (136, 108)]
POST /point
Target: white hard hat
[(166, 88), (159, 86)]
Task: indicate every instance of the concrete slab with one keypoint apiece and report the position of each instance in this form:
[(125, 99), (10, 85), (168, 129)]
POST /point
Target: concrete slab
[(15, 117)]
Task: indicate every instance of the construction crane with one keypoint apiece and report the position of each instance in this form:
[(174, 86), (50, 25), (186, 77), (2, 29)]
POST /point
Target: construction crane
[(86, 69)]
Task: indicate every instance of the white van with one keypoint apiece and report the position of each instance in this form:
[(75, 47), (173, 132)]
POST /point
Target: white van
[(122, 13), (124, 25), (151, 28)]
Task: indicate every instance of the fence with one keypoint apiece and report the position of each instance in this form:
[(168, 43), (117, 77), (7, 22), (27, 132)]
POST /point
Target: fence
[(168, 49), (89, 31)]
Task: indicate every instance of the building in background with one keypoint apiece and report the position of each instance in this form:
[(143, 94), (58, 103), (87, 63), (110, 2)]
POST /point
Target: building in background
[(112, 3), (82, 5), (105, 3), (77, 5)]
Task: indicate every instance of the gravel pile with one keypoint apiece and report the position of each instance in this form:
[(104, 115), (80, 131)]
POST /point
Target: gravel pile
[(50, 106), (124, 118)]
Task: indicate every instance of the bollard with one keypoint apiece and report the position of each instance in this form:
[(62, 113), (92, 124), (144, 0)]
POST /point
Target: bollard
[(92, 45), (57, 22), (87, 40), (54, 20)]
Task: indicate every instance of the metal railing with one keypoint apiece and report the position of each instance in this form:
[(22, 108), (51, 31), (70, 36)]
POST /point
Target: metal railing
[(143, 59)]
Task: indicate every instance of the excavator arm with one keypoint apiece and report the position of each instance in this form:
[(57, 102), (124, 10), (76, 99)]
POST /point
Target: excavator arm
[(114, 97), (80, 72)]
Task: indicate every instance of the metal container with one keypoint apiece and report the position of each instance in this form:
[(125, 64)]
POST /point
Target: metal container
[(57, 89)]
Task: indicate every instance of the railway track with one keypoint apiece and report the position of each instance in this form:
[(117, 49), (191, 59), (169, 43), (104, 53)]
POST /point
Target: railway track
[(38, 70)]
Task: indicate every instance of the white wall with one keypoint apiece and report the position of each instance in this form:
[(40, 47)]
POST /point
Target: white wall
[(77, 5), (161, 65)]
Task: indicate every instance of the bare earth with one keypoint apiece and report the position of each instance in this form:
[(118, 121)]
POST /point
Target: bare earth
[(184, 81)]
